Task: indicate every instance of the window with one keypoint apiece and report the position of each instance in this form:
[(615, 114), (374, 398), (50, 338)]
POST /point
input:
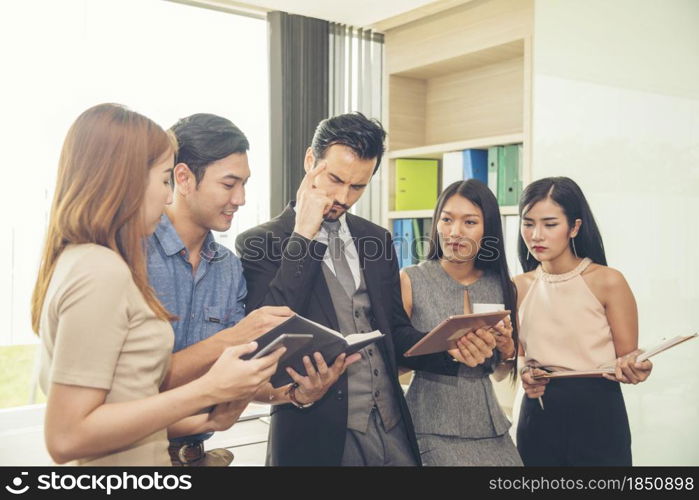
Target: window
[(163, 59)]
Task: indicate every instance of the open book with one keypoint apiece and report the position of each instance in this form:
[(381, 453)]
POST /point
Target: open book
[(444, 336), (609, 367), (325, 340)]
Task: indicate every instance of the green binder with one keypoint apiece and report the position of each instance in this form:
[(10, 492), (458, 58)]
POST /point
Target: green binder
[(421, 231), (426, 231), (509, 179), (416, 184)]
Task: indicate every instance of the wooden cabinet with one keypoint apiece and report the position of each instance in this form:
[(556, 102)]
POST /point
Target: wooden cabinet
[(458, 79)]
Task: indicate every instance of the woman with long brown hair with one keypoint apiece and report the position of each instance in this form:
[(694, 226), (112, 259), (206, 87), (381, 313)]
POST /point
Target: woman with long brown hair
[(106, 339)]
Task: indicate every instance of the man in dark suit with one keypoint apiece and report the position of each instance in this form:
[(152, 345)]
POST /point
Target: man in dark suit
[(339, 270)]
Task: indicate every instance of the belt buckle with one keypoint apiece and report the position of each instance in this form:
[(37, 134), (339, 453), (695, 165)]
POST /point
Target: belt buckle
[(181, 453)]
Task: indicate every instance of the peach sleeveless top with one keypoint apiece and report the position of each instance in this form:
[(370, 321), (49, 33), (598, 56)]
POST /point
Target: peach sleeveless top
[(562, 324)]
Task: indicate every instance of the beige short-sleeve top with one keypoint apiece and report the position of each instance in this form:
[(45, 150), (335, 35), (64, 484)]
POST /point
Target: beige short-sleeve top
[(562, 325), (97, 331)]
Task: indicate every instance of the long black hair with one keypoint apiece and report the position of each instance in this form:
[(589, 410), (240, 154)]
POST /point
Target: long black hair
[(567, 194), (491, 253)]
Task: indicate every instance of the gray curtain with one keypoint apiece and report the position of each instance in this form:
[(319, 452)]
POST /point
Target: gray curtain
[(298, 48), (318, 69), (356, 66)]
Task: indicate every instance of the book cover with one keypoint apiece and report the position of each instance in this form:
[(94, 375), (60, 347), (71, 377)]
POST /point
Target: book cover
[(326, 341)]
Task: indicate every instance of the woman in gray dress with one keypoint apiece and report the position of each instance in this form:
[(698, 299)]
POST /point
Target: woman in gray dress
[(458, 420)]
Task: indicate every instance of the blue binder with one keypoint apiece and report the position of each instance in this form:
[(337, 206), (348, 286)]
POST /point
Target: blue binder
[(407, 244), (476, 164), (397, 239)]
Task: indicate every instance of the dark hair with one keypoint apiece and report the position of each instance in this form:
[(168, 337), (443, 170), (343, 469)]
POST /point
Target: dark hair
[(567, 194), (204, 139), (362, 135), (491, 254)]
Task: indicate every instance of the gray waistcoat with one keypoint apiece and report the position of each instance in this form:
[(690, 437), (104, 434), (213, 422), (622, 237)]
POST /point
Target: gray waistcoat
[(369, 381), (466, 405)]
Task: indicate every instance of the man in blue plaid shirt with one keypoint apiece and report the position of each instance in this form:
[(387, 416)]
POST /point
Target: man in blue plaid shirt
[(196, 279)]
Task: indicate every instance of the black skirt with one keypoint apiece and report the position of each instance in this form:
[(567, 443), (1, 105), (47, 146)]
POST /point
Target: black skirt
[(584, 422)]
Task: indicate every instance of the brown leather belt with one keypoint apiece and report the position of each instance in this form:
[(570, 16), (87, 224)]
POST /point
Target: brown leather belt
[(186, 453)]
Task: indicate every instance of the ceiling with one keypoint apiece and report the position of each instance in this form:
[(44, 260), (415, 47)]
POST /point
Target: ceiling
[(360, 13)]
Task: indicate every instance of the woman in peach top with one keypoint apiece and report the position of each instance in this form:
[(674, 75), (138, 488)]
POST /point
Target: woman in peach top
[(575, 313), (106, 341)]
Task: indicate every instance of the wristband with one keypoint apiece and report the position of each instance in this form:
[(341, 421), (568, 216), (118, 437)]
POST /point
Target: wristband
[(292, 396)]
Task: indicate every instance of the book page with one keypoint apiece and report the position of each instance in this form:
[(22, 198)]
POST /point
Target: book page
[(323, 327), (361, 337)]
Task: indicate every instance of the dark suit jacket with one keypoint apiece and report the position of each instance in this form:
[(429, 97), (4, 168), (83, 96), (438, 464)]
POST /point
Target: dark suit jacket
[(282, 268)]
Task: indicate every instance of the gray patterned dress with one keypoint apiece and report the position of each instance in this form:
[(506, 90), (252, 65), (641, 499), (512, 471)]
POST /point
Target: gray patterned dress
[(458, 420)]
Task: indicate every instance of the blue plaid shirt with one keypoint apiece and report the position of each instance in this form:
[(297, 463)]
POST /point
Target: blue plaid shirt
[(209, 301), (205, 303)]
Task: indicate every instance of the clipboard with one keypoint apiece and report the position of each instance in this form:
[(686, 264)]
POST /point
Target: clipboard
[(444, 336), (609, 367)]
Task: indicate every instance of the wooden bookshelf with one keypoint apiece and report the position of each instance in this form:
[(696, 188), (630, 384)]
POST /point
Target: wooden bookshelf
[(457, 79), (427, 214), (435, 151), (510, 210), (410, 214)]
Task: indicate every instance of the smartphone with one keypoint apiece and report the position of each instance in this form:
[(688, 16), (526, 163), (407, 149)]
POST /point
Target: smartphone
[(292, 341)]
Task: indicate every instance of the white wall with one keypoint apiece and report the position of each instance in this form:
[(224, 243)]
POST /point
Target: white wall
[(616, 108)]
